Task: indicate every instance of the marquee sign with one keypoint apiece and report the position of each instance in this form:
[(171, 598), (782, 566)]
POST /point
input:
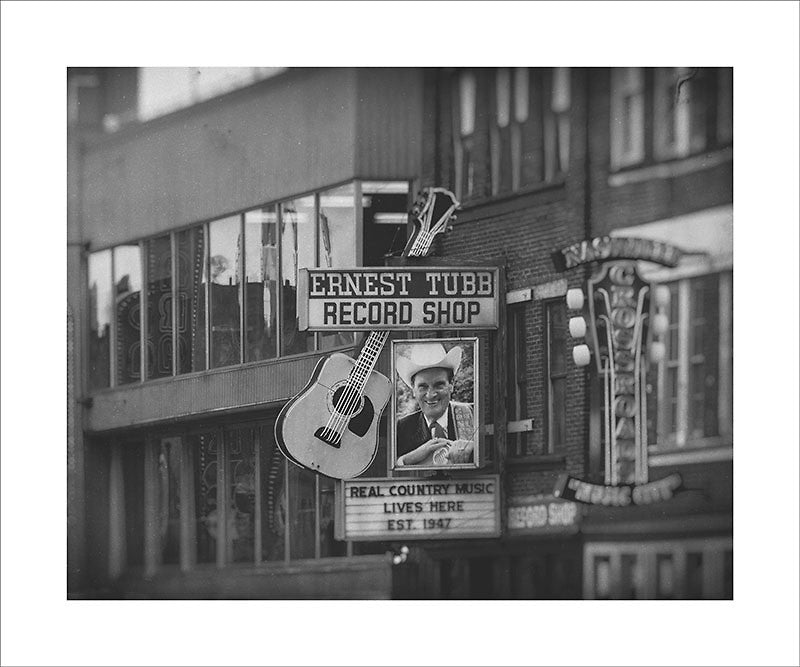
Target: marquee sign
[(571, 488), (418, 509), (412, 297), (607, 248)]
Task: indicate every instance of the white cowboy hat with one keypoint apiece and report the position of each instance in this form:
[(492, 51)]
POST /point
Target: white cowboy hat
[(427, 355)]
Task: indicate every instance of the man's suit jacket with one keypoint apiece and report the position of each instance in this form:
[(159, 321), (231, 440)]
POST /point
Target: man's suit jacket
[(413, 431)]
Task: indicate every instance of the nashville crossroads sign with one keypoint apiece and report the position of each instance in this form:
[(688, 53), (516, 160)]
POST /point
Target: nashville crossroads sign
[(398, 297), (418, 509)]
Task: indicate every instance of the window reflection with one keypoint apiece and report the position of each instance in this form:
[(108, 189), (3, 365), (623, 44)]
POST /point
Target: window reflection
[(241, 495), (261, 266), (127, 295), (297, 252), (204, 459), (191, 279), (169, 453), (100, 312), (159, 307), (337, 244), (225, 248), (272, 492)]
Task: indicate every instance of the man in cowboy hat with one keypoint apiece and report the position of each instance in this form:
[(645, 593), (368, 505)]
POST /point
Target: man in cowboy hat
[(441, 432)]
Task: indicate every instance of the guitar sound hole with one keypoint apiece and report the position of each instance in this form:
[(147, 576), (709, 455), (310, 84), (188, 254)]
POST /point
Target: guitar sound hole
[(345, 401)]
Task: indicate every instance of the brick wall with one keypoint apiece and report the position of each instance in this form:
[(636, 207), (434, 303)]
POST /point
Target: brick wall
[(519, 232)]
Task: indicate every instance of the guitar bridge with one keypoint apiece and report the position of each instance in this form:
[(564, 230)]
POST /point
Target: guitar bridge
[(329, 436)]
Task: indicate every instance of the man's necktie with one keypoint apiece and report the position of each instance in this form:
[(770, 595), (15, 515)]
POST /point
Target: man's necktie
[(437, 431)]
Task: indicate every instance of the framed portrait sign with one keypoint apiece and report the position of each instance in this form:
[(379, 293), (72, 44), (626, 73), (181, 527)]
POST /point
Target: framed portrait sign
[(436, 421)]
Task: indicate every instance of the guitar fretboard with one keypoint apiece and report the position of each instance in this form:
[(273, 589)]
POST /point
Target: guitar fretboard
[(376, 340)]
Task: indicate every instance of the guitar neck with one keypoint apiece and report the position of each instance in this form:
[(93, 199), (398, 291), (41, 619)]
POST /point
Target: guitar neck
[(368, 358), (419, 247)]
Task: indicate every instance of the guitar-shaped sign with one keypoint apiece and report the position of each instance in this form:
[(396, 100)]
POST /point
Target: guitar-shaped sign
[(331, 426)]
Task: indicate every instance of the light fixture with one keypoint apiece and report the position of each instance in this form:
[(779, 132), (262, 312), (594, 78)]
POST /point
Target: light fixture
[(659, 324), (575, 299), (657, 352), (577, 327), (662, 296), (581, 355)]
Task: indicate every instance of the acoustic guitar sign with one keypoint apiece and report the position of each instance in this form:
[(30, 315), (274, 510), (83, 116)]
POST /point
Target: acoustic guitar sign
[(398, 297)]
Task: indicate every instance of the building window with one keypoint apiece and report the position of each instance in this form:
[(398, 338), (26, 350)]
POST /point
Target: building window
[(672, 93), (337, 245), (689, 569), (557, 124), (627, 116), (529, 148), (464, 133), (668, 113), (724, 105), (517, 377), (505, 155), (225, 263), (225, 292), (556, 375), (695, 378), (261, 283), (127, 313), (192, 277), (159, 307), (298, 251), (101, 311)]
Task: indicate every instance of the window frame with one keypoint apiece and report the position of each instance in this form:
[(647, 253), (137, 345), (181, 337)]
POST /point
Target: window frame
[(141, 246), (627, 83), (680, 439), (551, 446)]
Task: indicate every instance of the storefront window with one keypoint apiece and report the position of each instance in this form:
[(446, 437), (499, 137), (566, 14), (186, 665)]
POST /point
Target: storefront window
[(169, 478), (127, 296), (100, 313), (328, 545), (159, 307), (297, 251), (205, 495), (302, 512), (261, 283), (225, 248), (133, 484), (192, 279), (271, 492), (241, 495)]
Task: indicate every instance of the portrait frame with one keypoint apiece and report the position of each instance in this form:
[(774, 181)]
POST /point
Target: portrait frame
[(466, 414)]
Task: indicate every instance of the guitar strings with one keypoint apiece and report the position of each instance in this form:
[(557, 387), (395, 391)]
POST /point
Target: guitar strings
[(350, 397)]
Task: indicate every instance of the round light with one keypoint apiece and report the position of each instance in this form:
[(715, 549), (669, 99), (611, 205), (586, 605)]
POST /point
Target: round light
[(581, 355), (659, 323), (657, 352), (577, 327), (662, 296), (575, 299)]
